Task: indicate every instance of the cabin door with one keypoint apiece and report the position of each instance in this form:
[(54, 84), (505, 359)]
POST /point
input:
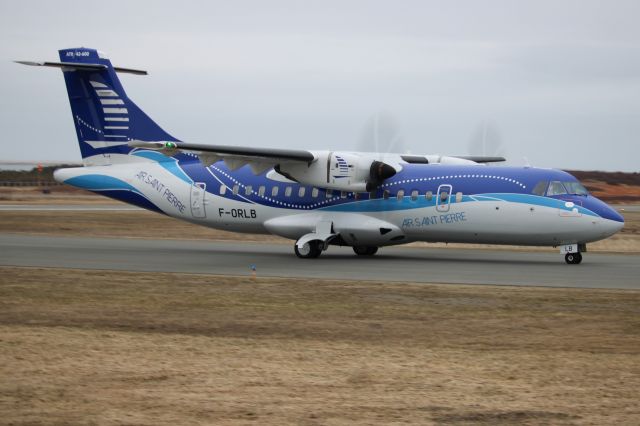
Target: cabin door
[(443, 200), (197, 200)]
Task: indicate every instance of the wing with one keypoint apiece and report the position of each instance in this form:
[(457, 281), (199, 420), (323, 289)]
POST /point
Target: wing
[(481, 158), (259, 159), (262, 159)]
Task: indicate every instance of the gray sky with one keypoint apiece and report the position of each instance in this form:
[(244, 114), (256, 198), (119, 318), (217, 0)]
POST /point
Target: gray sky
[(555, 82)]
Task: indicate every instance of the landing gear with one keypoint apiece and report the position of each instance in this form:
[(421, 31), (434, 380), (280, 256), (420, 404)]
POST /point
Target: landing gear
[(573, 258), (365, 250), (309, 250)]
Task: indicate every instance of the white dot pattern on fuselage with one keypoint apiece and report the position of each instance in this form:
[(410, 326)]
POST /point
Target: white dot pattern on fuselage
[(475, 176)]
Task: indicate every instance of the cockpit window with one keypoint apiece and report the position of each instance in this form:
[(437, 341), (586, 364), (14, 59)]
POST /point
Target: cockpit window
[(575, 188), (540, 188), (556, 188)]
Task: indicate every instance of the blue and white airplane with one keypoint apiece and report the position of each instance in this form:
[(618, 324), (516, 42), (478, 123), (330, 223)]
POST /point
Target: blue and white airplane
[(317, 198)]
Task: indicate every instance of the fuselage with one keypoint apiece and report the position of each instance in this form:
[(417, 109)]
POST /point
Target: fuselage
[(422, 202)]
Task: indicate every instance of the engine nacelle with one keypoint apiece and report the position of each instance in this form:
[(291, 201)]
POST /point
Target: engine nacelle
[(337, 170)]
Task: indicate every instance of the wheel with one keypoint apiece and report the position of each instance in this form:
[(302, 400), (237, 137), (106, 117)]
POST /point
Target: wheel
[(365, 250), (309, 250), (573, 258)]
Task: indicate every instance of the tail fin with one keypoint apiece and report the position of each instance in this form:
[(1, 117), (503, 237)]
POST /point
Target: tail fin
[(104, 117)]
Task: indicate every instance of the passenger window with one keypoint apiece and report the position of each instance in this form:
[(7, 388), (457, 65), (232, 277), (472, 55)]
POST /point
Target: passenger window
[(414, 195), (385, 194), (314, 192), (540, 188), (556, 188), (301, 191), (429, 195), (274, 191), (248, 190), (223, 189), (328, 193), (287, 191), (261, 191), (343, 194), (458, 197), (444, 195), (235, 189), (400, 195)]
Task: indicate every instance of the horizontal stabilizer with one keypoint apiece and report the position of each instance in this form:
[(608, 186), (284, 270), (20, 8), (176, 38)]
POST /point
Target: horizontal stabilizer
[(81, 66)]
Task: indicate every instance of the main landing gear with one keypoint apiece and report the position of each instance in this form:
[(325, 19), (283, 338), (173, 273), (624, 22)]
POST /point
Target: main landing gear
[(573, 258), (365, 250), (313, 249), (309, 250)]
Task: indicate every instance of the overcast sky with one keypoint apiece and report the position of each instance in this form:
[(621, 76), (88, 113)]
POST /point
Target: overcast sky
[(554, 82)]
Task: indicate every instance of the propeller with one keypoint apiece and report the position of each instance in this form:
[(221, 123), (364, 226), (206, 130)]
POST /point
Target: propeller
[(381, 135), (486, 141)]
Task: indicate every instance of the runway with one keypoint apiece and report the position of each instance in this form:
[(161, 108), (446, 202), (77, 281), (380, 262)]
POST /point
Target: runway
[(424, 265)]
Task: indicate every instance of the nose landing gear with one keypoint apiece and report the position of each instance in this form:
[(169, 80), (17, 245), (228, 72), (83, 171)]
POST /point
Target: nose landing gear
[(573, 252), (573, 258)]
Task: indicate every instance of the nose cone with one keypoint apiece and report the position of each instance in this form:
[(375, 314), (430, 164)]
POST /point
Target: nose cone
[(613, 222), (610, 213), (614, 215), (602, 209)]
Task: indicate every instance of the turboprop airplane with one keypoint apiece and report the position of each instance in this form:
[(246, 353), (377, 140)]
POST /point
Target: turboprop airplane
[(317, 198)]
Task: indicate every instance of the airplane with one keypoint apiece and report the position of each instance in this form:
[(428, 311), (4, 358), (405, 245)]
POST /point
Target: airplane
[(317, 198)]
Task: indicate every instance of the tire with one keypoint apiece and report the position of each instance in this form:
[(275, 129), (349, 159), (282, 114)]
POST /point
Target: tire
[(365, 250), (310, 250), (573, 258)]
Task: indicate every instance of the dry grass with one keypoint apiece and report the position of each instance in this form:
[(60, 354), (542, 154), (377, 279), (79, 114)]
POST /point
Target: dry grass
[(58, 195), (95, 347)]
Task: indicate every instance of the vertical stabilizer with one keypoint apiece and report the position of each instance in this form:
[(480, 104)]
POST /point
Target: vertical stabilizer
[(105, 118)]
